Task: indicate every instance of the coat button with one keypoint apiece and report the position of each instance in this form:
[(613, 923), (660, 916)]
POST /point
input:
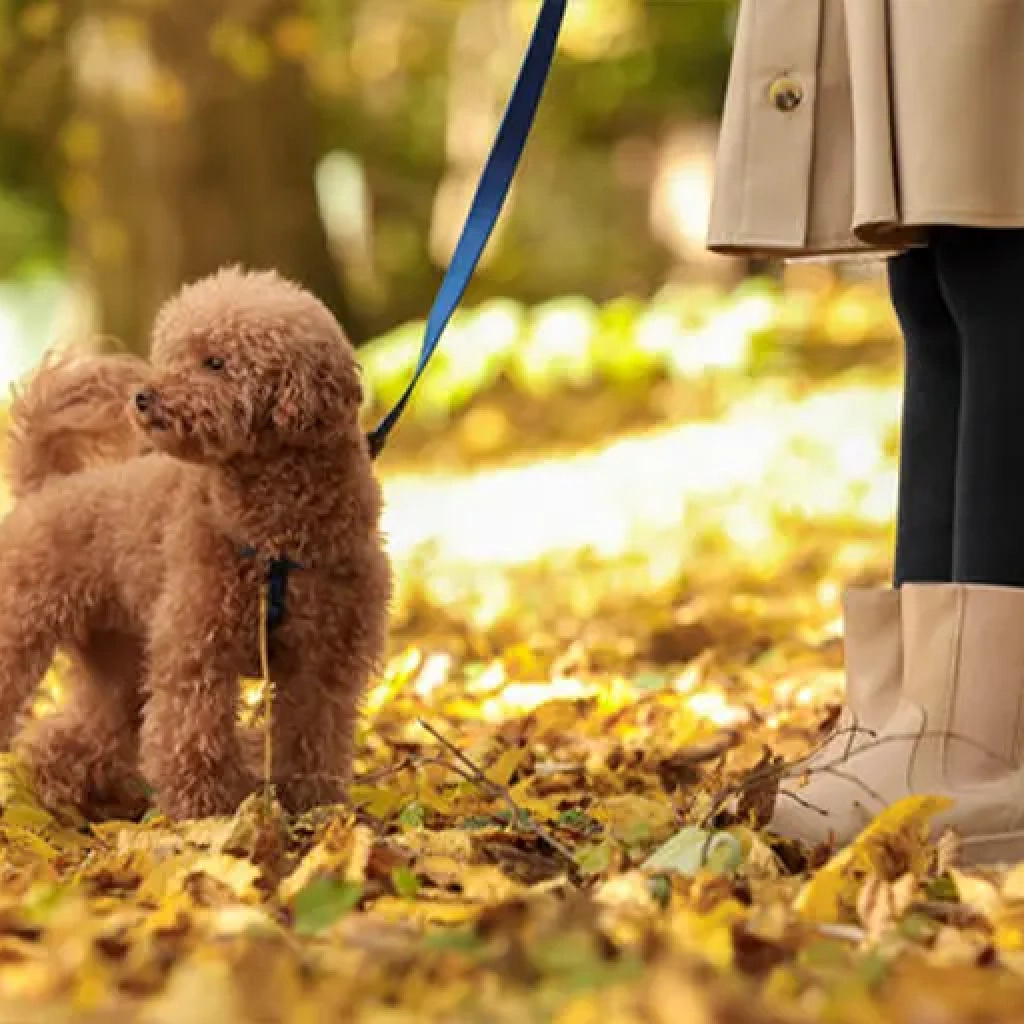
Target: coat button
[(786, 93)]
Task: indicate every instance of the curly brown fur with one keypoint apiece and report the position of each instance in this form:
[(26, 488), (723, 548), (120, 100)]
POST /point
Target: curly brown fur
[(73, 414), (250, 408)]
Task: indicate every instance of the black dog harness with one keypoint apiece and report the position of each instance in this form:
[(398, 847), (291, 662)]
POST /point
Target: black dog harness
[(276, 578)]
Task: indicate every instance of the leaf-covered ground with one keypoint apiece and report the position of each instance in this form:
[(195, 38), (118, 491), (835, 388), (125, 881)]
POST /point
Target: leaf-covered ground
[(601, 641)]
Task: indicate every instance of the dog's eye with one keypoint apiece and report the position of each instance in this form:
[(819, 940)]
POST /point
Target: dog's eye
[(213, 363)]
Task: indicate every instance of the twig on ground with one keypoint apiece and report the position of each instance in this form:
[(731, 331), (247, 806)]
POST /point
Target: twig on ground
[(371, 778), (843, 932), (796, 798), (854, 781), (519, 815), (797, 768), (774, 773), (854, 729), (385, 773), (959, 915), (851, 732)]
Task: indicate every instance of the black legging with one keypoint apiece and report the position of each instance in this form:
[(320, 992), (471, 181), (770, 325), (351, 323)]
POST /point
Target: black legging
[(960, 303)]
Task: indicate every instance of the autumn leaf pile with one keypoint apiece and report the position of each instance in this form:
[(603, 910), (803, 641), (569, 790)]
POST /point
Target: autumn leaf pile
[(605, 656)]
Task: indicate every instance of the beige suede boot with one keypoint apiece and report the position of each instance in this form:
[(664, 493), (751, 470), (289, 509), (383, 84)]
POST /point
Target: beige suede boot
[(965, 676), (957, 731), (873, 653)]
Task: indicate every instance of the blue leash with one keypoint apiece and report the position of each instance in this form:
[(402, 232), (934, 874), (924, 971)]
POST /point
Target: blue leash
[(489, 199)]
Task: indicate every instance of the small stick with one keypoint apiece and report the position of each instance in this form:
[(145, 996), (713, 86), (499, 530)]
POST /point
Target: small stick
[(854, 781), (518, 814), (956, 914), (383, 773), (796, 798), (797, 769), (842, 932)]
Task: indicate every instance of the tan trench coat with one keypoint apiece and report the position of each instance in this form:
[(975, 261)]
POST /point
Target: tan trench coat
[(850, 125)]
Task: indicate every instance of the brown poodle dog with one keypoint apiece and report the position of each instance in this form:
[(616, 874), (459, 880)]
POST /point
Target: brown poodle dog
[(152, 502)]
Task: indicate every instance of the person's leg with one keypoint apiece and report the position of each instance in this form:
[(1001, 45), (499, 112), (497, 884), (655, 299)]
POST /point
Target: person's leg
[(958, 727), (931, 412), (982, 277), (873, 628)]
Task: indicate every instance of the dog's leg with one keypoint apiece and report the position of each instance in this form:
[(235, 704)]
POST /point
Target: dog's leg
[(86, 755), (314, 738), (323, 665), (320, 681), (37, 611), (25, 655), (190, 749)]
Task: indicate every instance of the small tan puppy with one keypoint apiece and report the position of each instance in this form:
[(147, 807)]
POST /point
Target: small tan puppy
[(139, 549)]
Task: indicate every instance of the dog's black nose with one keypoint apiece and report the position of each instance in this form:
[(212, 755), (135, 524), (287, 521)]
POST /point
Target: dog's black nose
[(143, 400)]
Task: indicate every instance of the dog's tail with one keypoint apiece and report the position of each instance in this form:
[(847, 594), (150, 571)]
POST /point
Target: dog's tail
[(71, 413)]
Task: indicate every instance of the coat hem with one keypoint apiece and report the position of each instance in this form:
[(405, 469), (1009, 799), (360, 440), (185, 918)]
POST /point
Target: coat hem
[(966, 219), (768, 249), (867, 239)]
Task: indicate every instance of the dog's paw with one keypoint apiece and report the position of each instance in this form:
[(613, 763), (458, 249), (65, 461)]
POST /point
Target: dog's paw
[(123, 799), (126, 798), (216, 795), (69, 772), (299, 795)]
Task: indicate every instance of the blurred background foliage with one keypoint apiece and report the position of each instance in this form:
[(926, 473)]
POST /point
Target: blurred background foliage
[(145, 142)]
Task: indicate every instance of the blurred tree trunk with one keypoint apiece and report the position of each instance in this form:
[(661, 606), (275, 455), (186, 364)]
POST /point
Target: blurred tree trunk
[(194, 146)]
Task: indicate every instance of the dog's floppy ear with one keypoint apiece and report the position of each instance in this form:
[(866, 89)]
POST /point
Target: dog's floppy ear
[(317, 399)]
